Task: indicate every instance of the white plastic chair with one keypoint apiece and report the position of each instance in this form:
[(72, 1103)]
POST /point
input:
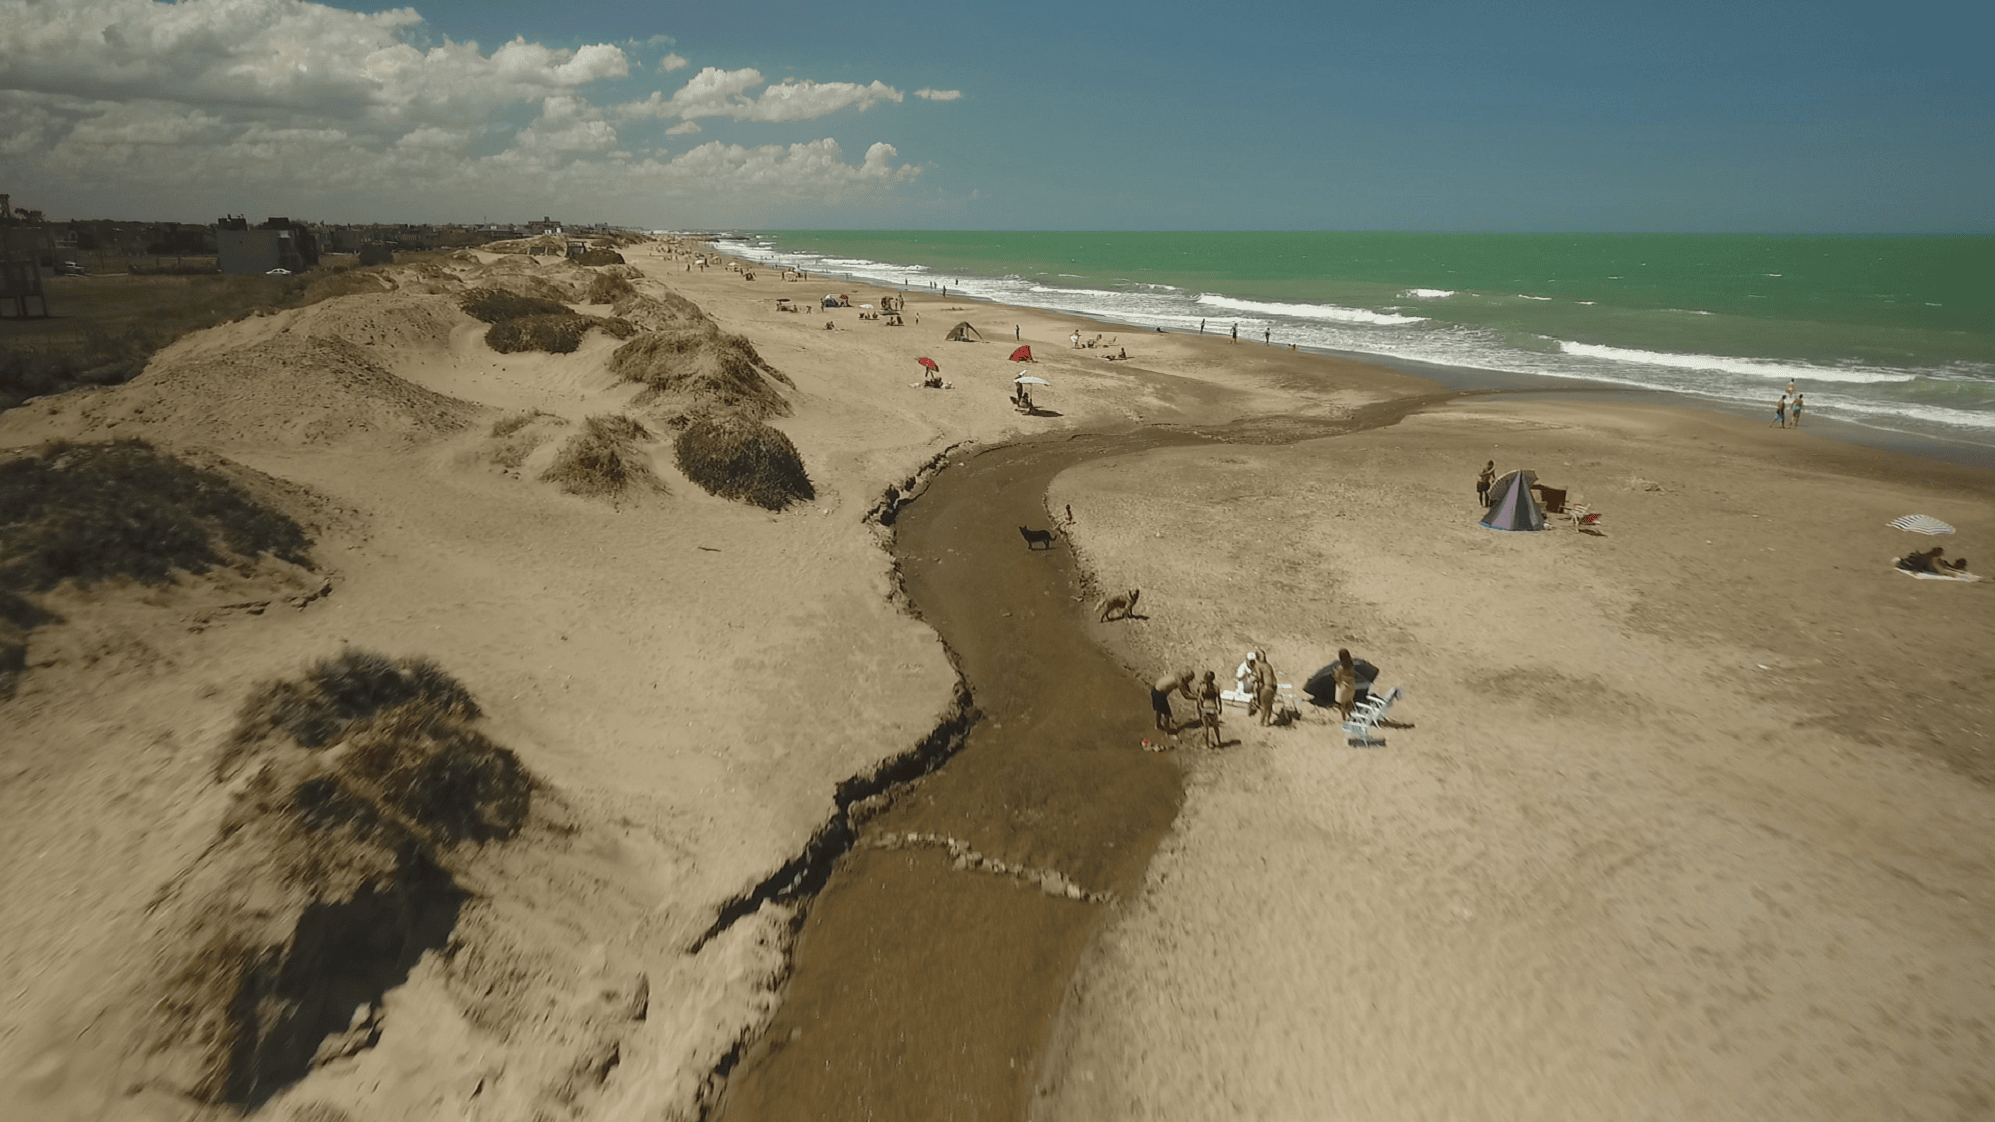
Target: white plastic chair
[(1366, 715)]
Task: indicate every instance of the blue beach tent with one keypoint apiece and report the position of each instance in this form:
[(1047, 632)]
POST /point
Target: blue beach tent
[(1511, 504)]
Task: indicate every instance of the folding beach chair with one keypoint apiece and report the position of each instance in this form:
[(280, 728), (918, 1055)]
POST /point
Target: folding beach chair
[(1581, 515), (1365, 715)]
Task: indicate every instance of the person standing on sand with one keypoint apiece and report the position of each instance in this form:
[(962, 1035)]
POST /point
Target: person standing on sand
[(1267, 338), (1160, 697), (1484, 481), (1780, 414), (1201, 327), (1208, 709), (1346, 675), (1236, 333), (1794, 413), (1264, 690)]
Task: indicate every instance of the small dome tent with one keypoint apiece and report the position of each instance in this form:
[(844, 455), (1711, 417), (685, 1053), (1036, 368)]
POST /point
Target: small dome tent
[(1511, 504), (964, 333)]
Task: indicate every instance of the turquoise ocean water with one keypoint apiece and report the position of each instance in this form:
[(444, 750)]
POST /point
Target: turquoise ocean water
[(1892, 333)]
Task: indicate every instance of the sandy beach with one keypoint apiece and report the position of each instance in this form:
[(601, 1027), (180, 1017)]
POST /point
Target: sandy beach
[(1684, 817), (1689, 819)]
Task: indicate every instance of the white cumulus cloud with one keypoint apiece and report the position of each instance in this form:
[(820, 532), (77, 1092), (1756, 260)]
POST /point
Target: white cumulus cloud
[(124, 104), (939, 95), (274, 54), (714, 92), (814, 169)]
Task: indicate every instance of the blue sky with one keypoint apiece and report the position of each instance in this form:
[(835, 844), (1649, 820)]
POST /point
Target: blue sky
[(1410, 115)]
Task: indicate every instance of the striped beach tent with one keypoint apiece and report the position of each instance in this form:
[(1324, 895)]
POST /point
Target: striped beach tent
[(1921, 524), (1511, 504)]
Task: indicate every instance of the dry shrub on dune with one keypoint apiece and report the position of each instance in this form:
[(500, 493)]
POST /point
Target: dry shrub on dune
[(92, 512), (496, 305), (331, 877), (599, 257), (316, 709), (558, 334), (607, 289), (535, 323), (604, 460), (514, 438), (745, 460), (701, 369), (18, 616)]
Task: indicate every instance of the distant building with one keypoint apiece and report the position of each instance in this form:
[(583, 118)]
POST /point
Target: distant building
[(277, 244)]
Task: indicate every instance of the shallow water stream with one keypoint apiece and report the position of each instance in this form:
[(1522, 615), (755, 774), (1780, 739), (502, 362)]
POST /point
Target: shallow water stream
[(922, 990)]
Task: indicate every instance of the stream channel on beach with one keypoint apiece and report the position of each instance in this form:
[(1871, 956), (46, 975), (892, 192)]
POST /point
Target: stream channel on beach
[(921, 989)]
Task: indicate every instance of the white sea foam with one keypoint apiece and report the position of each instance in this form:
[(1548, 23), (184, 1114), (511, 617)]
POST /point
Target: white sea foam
[(1305, 311), (1856, 393), (1727, 364)]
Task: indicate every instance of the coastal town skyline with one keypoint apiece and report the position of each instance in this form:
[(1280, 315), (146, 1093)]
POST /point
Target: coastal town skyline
[(1834, 119)]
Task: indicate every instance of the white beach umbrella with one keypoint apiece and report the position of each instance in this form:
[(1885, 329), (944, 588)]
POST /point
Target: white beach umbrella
[(1921, 524), (1031, 381)]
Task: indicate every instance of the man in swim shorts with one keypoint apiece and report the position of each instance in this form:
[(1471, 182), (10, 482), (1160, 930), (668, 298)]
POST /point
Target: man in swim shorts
[(1160, 697)]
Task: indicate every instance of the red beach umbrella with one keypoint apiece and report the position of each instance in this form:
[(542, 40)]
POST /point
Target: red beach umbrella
[(1022, 354), (930, 363)]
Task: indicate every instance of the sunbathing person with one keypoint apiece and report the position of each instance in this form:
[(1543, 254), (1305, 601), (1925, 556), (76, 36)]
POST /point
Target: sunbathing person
[(1924, 561)]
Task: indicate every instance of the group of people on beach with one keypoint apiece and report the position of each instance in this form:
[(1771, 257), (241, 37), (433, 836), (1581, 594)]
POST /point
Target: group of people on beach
[(1204, 697), (1932, 561), (1787, 414), (1254, 679)]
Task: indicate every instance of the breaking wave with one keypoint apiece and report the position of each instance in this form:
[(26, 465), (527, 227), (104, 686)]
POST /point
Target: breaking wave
[(1306, 311)]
